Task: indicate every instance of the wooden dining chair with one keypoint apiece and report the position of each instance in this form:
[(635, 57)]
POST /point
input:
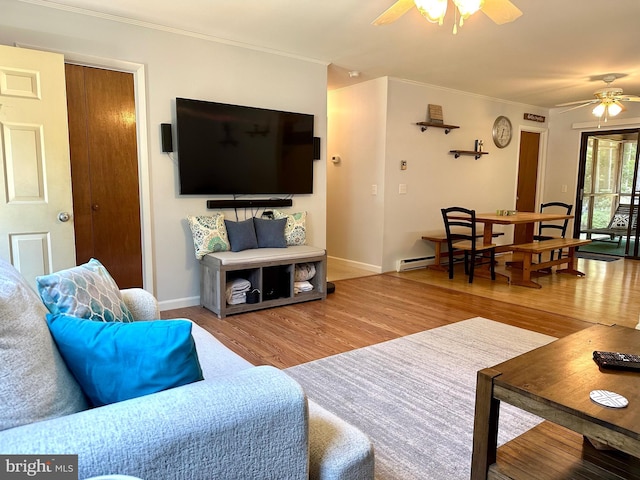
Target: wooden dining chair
[(547, 231), (462, 236)]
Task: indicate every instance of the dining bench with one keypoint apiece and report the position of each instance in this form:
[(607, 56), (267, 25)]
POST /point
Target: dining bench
[(440, 239), (526, 251)]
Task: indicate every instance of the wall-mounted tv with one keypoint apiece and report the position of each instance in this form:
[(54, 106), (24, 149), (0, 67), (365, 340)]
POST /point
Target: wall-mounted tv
[(232, 150)]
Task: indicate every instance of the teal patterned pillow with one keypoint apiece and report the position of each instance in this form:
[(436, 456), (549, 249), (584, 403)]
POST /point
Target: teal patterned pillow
[(295, 231), (86, 291), (209, 234)]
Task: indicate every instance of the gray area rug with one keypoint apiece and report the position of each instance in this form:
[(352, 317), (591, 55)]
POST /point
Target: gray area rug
[(414, 396)]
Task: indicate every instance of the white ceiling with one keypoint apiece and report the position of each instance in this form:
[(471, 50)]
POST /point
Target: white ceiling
[(556, 52)]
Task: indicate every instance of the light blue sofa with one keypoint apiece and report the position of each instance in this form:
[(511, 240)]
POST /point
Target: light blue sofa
[(242, 422)]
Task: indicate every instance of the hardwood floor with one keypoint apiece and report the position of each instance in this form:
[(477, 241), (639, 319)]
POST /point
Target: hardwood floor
[(375, 308)]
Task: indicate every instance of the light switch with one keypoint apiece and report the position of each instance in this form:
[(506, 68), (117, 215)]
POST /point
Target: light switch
[(564, 189), (402, 188), (374, 189)]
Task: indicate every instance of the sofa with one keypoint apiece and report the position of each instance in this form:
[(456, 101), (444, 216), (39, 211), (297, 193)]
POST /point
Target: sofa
[(241, 422)]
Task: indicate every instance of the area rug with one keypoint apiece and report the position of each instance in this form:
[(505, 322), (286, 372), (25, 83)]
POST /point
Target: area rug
[(414, 396), (597, 256)]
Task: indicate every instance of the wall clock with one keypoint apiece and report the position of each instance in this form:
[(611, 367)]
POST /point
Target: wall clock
[(502, 131)]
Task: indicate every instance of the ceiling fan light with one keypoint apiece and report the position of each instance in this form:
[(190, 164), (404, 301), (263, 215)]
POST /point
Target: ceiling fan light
[(614, 109), (468, 7), (599, 110), (432, 10)]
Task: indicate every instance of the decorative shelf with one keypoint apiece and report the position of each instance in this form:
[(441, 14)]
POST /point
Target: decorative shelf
[(457, 153), (447, 128)]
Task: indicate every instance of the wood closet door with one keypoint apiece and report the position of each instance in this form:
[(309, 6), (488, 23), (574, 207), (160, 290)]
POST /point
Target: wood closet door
[(104, 171)]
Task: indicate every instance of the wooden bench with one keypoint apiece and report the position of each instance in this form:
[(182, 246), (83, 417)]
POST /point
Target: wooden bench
[(524, 253), (440, 239)]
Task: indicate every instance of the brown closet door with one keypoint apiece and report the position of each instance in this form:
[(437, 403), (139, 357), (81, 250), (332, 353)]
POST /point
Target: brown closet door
[(104, 171)]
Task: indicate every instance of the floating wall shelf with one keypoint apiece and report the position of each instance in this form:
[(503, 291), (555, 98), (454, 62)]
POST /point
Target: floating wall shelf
[(457, 153), (447, 128)]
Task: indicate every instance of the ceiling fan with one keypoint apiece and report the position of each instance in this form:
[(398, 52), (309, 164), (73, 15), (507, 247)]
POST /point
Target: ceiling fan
[(608, 100), (500, 11)]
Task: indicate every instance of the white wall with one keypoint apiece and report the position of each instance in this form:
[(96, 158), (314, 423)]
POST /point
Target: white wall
[(434, 178), (357, 125), (183, 66)]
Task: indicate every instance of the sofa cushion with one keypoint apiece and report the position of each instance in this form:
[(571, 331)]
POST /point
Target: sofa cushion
[(35, 384), (116, 361), (270, 233), (296, 230), (209, 234), (86, 291), (242, 235)]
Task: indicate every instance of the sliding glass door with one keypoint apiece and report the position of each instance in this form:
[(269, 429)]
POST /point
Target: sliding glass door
[(609, 192)]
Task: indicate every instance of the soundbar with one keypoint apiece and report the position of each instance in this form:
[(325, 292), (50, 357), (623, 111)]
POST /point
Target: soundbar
[(255, 203)]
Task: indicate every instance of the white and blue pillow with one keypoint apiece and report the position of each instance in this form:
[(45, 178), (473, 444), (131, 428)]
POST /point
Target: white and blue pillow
[(86, 291)]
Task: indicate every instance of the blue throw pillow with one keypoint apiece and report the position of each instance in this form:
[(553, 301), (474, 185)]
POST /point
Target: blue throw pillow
[(270, 233), (116, 361), (85, 291), (242, 235)]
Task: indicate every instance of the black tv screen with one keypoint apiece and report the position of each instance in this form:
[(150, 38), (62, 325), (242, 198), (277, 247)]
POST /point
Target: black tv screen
[(233, 150)]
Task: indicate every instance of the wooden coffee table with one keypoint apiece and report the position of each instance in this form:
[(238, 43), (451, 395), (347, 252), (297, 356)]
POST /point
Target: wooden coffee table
[(554, 382)]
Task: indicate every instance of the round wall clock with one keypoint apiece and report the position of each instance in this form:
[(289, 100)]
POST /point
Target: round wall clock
[(502, 131)]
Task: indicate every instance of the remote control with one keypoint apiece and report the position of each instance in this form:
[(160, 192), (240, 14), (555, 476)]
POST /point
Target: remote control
[(622, 361)]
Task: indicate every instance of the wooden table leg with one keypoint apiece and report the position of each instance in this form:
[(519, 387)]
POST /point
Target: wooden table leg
[(437, 254), (485, 425), (572, 264), (522, 276)]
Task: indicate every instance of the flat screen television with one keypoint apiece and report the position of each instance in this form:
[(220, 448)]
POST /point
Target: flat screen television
[(235, 150)]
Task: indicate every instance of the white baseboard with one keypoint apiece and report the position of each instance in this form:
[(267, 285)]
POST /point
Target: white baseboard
[(353, 264), (179, 303)]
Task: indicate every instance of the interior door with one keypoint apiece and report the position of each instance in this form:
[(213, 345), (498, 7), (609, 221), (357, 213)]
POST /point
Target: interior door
[(104, 163), (36, 228), (527, 180)]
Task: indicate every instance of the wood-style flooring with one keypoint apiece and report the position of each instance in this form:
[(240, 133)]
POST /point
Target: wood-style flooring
[(375, 308)]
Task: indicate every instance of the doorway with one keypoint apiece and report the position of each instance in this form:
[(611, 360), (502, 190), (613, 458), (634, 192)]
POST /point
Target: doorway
[(104, 168), (608, 195)]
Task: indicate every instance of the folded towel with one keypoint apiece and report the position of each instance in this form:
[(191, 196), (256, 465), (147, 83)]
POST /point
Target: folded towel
[(237, 291), (239, 285), (302, 287), (304, 271)]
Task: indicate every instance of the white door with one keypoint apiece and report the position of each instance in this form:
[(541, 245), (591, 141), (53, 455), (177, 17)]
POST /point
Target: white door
[(36, 228)]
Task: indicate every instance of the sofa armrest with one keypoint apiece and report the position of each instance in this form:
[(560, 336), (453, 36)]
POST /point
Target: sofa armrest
[(250, 425), (143, 305)]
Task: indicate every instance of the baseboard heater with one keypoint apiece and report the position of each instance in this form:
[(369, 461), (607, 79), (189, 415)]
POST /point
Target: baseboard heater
[(414, 263), (253, 203)]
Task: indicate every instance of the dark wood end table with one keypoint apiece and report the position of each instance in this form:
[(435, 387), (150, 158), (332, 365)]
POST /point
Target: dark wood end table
[(554, 382)]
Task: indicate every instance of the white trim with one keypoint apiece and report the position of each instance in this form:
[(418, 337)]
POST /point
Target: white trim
[(542, 160), (351, 263), (179, 303), (165, 28), (139, 77), (611, 123)]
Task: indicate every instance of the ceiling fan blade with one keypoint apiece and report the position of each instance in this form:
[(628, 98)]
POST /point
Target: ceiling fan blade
[(394, 12), (501, 11), (629, 98), (585, 102), (577, 106)]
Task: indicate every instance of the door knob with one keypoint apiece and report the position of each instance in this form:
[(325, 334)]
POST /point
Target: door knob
[(64, 217)]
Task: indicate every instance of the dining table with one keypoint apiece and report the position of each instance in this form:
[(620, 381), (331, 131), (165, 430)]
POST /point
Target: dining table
[(528, 219)]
